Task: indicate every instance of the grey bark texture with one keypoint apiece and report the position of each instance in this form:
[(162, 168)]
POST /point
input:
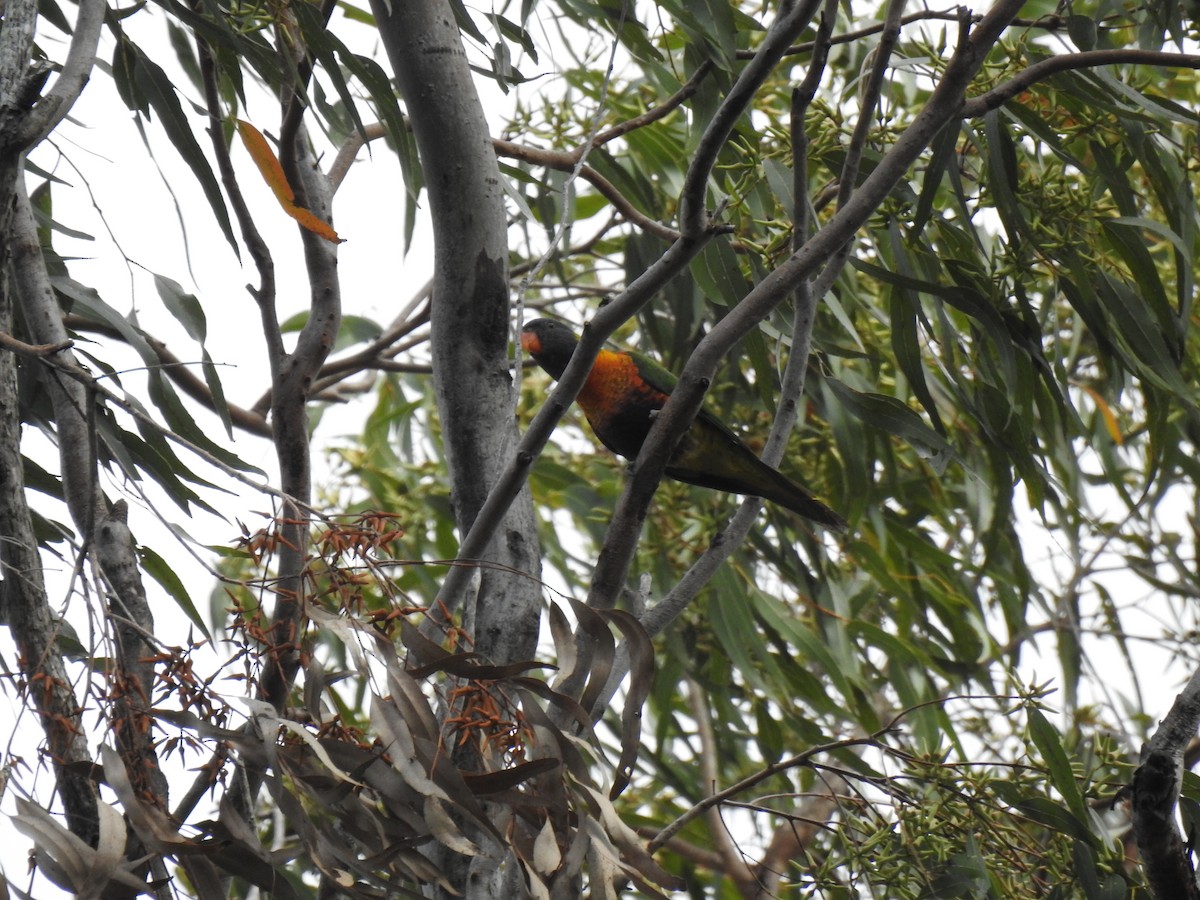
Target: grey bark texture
[(25, 608), (103, 530), (292, 376), (470, 329), (26, 117), (469, 314), (1155, 788)]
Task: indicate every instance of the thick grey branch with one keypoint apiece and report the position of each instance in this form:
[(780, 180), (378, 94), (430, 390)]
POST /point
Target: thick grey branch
[(291, 387), (25, 608), (469, 321), (133, 678), (1156, 786), (71, 399), (71, 80)]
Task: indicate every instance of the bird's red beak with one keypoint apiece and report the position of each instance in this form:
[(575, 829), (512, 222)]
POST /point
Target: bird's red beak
[(530, 343)]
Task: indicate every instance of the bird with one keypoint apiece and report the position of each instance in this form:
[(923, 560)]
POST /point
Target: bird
[(620, 398)]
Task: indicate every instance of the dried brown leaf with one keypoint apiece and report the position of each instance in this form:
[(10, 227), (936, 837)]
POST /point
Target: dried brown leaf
[(641, 680)]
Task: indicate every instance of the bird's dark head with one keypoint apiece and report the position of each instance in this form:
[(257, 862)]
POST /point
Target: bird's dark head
[(550, 343)]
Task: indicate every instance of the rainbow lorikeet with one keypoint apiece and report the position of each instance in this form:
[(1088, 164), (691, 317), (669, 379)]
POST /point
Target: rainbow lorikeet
[(620, 397)]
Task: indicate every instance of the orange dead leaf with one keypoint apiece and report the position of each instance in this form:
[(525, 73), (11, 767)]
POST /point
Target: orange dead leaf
[(1110, 419), (272, 172)]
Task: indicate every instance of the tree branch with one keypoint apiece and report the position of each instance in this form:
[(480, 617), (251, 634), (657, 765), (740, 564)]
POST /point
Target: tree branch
[(623, 532), (732, 863), (1068, 62), (1156, 785), (72, 78), (24, 606), (564, 161), (469, 317), (800, 759), (944, 106), (824, 282), (560, 160), (693, 217), (291, 387), (132, 680)]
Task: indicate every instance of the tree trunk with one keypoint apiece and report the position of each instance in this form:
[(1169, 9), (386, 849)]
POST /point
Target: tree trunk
[(469, 317)]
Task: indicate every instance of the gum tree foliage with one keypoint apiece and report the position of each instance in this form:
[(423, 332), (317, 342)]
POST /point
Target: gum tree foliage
[(938, 263)]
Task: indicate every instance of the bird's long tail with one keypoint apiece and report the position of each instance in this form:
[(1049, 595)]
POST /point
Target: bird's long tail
[(741, 472)]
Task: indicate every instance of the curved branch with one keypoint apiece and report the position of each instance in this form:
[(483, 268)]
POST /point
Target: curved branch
[(178, 371), (758, 777), (1049, 23), (1156, 786), (559, 160), (1088, 59), (732, 863), (686, 92), (347, 153), (944, 105), (693, 218), (564, 161), (71, 80), (291, 384)]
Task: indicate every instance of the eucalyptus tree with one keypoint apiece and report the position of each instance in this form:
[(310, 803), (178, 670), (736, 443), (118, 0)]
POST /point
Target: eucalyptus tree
[(936, 265)]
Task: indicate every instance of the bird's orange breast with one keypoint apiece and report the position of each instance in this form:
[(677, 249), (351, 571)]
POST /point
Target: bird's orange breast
[(618, 403)]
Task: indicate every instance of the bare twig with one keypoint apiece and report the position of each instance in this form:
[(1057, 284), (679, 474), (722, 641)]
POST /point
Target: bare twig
[(559, 160), (732, 863), (564, 161), (792, 762), (1049, 23), (33, 351)]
